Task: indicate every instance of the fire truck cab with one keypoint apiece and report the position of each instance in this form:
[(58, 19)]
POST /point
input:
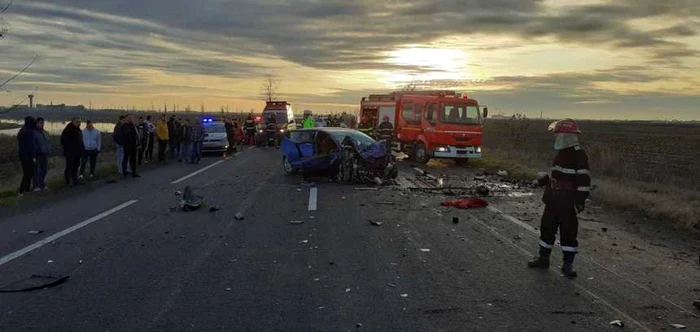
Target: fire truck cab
[(429, 124)]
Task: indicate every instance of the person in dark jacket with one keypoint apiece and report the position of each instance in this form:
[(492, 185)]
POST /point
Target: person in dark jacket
[(568, 187), (42, 156), (228, 123), (249, 129), (119, 142), (27, 153), (142, 130), (386, 133), (130, 136), (72, 142), (185, 141), (173, 130)]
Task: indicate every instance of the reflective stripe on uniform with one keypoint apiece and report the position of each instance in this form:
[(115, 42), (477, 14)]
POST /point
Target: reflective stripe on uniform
[(569, 249), (586, 189), (545, 245), (583, 171), (564, 170)]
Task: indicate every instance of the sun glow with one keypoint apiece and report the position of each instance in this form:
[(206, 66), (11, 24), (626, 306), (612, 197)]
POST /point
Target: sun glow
[(427, 64)]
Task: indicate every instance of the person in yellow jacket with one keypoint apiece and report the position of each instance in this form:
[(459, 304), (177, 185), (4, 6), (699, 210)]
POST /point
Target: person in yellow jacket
[(163, 136)]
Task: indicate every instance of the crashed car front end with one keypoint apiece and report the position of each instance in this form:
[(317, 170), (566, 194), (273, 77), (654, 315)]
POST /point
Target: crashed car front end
[(370, 164)]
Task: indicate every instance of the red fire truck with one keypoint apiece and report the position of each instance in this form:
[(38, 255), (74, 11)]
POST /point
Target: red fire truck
[(428, 124)]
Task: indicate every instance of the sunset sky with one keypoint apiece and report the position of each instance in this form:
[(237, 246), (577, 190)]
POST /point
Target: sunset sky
[(623, 59)]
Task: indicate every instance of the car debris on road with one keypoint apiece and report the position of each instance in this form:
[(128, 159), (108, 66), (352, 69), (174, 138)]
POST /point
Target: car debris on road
[(296, 222), (239, 216), (678, 326), (375, 223), (466, 203), (35, 232), (34, 282), (617, 323)]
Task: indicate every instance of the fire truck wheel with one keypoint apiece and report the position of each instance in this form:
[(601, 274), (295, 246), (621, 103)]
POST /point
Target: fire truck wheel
[(420, 155), (461, 162)]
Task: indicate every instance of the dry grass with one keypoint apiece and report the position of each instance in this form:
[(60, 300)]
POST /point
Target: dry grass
[(634, 165)]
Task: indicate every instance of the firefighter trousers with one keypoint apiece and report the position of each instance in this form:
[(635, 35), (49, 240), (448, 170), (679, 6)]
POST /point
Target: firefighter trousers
[(559, 215)]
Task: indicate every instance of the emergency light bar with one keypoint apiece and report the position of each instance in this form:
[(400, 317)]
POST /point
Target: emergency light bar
[(207, 120)]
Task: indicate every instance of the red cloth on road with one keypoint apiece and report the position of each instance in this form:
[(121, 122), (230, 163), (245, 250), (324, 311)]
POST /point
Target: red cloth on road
[(466, 203)]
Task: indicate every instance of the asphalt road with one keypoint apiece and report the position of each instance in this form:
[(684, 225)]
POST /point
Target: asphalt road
[(137, 265)]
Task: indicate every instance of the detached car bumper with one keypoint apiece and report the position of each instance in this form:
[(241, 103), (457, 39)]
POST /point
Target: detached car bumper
[(453, 152)]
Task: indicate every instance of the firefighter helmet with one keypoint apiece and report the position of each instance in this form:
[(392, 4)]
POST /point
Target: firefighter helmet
[(566, 126)]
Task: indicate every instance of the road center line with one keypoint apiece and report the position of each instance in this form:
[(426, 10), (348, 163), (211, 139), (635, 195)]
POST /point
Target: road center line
[(313, 197), (196, 172), (62, 233), (588, 259)]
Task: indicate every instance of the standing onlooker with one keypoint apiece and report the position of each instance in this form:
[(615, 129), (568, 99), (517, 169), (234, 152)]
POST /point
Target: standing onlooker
[(173, 132), (27, 153), (228, 123), (163, 136), (142, 131), (150, 138), (72, 142), (186, 141), (92, 140), (249, 128), (42, 156), (131, 139), (119, 141), (197, 135)]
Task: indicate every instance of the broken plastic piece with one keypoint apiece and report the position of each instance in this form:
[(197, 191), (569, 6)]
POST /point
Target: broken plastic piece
[(502, 173), (35, 232), (617, 323), (483, 190), (190, 201), (367, 188), (455, 220), (178, 193), (404, 295), (214, 208), (697, 304), (296, 222), (304, 241), (375, 223), (425, 250), (239, 216), (678, 326), (33, 283), (347, 290)]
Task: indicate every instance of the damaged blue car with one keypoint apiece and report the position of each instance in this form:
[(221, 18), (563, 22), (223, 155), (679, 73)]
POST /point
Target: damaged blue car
[(345, 155)]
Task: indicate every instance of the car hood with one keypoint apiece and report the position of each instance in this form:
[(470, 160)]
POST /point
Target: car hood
[(215, 136)]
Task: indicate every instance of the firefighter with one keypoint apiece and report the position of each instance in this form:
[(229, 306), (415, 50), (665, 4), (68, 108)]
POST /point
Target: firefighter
[(366, 126), (386, 132), (249, 128), (271, 129), (568, 187)]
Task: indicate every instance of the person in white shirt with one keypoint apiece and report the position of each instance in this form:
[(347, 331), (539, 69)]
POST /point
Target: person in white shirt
[(92, 140)]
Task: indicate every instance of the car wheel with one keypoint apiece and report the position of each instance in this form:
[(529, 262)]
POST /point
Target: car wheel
[(461, 162), (420, 155), (288, 168)]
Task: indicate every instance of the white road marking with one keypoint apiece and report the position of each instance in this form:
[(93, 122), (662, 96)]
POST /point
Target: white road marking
[(619, 312), (636, 284), (313, 197), (56, 236), (197, 172)]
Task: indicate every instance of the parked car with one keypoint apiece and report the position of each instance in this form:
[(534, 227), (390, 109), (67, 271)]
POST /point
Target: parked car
[(215, 139)]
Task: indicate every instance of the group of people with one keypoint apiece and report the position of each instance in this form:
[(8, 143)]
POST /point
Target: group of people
[(334, 120), (80, 146)]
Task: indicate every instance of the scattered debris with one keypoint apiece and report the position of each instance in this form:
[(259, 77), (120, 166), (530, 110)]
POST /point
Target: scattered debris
[(375, 223), (358, 325), (386, 203), (367, 188), (299, 189), (482, 190), (404, 295), (347, 290), (343, 197), (304, 241), (480, 178), (35, 232), (517, 237), (34, 282), (296, 222), (604, 229), (378, 181), (50, 261), (80, 261), (239, 216), (697, 304), (617, 323), (228, 289), (440, 182), (678, 326), (214, 208), (425, 250), (190, 201), (391, 285), (466, 203), (178, 193), (419, 171), (308, 184), (502, 173), (455, 220)]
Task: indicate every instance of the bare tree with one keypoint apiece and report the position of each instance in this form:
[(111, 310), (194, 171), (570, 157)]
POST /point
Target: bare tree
[(270, 88), (410, 86)]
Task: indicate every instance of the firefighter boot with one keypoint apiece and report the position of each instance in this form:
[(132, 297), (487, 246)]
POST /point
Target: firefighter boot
[(568, 268), (542, 261)]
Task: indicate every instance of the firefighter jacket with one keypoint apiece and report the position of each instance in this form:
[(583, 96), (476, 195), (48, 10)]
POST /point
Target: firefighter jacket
[(570, 176), (386, 131), (249, 125)]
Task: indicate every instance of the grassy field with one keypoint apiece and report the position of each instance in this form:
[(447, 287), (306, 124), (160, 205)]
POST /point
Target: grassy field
[(652, 167), (6, 125)]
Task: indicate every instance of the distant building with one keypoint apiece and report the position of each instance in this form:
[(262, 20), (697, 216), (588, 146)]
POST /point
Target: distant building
[(61, 107)]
